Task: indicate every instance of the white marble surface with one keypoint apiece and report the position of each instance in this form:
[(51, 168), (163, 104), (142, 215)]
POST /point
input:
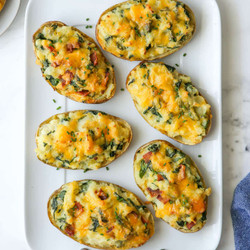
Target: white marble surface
[(236, 119)]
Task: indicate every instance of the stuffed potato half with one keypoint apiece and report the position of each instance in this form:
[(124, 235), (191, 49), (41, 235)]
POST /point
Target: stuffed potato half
[(82, 139), (145, 29), (169, 102), (101, 215), (173, 184), (73, 64)]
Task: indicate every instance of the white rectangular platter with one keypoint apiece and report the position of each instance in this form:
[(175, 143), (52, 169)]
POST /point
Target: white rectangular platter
[(202, 63)]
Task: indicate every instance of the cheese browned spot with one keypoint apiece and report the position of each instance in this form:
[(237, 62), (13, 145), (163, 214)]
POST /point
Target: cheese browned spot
[(169, 102), (145, 29), (171, 181), (82, 139), (73, 64), (114, 220)]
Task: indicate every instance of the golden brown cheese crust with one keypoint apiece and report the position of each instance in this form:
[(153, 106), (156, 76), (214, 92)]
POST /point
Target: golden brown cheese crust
[(169, 102), (83, 139), (172, 182), (73, 64), (145, 29), (101, 215), (2, 3)]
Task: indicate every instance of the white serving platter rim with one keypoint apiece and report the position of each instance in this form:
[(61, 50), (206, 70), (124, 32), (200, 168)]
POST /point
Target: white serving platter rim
[(8, 14), (175, 240)]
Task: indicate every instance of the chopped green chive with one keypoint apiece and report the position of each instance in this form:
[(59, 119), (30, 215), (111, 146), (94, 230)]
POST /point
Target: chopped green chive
[(199, 156), (177, 65), (54, 100), (107, 168), (122, 89), (184, 54), (87, 19), (58, 108)]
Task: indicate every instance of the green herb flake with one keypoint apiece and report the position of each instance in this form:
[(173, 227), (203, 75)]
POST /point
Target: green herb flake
[(122, 89), (185, 54), (107, 168), (54, 100), (59, 107), (199, 156)]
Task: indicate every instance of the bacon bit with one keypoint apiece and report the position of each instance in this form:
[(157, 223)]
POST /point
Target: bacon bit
[(94, 58), (163, 200), (71, 46), (70, 230), (147, 156), (78, 205), (144, 221), (62, 80), (190, 225), (105, 80), (181, 174), (147, 5), (52, 49), (83, 92), (102, 195), (110, 229), (134, 214), (69, 74), (154, 193), (55, 64), (159, 177)]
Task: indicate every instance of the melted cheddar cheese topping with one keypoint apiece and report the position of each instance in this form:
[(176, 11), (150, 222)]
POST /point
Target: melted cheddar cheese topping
[(171, 182), (145, 29), (82, 140), (169, 102), (100, 215), (73, 64)]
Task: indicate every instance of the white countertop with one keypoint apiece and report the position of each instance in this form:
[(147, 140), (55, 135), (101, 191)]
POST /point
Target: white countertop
[(236, 119)]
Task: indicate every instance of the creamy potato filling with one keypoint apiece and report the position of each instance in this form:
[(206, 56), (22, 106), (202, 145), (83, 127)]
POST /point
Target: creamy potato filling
[(84, 140), (101, 215), (73, 64), (143, 29), (171, 181), (169, 102)]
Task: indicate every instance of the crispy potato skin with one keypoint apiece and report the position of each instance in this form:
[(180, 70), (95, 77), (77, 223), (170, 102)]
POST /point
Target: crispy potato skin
[(2, 3), (163, 131), (94, 246), (108, 162), (183, 230), (192, 22), (91, 40)]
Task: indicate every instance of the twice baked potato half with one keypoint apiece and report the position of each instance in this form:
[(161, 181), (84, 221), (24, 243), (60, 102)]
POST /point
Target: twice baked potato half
[(73, 64), (169, 102), (173, 184), (145, 29), (100, 215), (2, 3), (82, 139)]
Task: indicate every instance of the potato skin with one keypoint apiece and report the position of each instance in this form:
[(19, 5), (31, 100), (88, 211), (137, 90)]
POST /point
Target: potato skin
[(52, 221), (91, 101), (163, 131), (207, 190), (2, 3), (192, 22), (110, 116)]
